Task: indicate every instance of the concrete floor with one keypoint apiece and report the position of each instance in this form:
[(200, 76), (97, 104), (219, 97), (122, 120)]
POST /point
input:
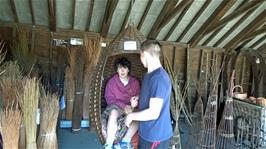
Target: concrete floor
[(84, 139)]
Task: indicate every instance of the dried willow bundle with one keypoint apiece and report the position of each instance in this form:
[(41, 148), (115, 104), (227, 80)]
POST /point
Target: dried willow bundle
[(49, 114), (29, 104), (69, 87), (10, 119)]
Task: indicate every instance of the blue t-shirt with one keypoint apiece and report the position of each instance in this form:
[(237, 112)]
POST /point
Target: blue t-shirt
[(156, 84)]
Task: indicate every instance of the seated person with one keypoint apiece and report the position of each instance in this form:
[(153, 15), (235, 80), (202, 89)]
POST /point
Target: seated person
[(121, 95)]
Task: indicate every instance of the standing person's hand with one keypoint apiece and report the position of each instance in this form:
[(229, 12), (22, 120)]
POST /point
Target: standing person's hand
[(134, 101), (128, 109)]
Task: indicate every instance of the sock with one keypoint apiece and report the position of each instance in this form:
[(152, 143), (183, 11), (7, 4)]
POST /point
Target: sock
[(126, 139), (109, 141)]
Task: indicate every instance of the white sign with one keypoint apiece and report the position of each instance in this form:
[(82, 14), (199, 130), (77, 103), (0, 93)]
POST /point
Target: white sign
[(130, 45)]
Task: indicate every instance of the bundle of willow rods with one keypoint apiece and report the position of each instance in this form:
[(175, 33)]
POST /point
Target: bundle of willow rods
[(49, 114), (10, 119), (29, 104)]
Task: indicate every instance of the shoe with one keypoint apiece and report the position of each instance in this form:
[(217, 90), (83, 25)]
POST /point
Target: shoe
[(107, 146), (126, 145)]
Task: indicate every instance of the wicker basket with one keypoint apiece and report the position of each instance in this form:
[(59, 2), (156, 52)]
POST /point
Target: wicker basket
[(250, 128)]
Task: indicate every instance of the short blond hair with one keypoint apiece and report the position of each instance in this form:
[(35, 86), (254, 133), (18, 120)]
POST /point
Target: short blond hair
[(151, 46)]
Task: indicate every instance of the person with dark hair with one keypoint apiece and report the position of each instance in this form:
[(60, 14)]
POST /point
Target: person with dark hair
[(121, 95), (155, 129)]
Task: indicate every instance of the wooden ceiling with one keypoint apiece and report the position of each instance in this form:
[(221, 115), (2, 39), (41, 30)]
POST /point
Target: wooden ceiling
[(215, 23)]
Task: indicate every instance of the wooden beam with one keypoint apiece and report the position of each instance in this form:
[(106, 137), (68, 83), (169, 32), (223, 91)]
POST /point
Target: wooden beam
[(262, 48), (258, 41), (109, 11), (32, 13), (238, 23), (195, 18), (90, 15), (73, 13), (257, 22), (14, 10), (246, 7), (216, 15), (148, 6), (256, 33), (127, 15), (180, 17), (166, 15), (52, 16), (243, 44), (219, 29)]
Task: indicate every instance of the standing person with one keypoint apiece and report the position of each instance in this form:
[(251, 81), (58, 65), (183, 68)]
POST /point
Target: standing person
[(121, 95), (155, 129)]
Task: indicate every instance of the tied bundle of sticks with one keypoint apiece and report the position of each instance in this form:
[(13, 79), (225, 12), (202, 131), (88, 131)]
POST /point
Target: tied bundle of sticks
[(10, 119), (49, 114), (29, 104)]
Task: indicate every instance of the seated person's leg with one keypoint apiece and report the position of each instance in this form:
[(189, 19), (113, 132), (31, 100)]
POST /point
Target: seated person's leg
[(133, 128), (112, 126)]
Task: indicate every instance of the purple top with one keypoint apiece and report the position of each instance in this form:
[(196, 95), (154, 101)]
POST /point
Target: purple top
[(118, 94)]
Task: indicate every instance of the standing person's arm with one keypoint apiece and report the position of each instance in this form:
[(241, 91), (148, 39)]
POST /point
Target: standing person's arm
[(152, 113)]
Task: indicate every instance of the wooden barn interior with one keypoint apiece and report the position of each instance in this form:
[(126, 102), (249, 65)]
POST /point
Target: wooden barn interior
[(57, 55)]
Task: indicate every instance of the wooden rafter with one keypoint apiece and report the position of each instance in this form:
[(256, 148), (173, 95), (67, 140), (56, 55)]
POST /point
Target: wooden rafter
[(258, 41), (216, 15), (127, 15), (256, 33), (180, 17), (73, 13), (257, 22), (32, 12), (148, 6), (246, 7), (109, 11), (219, 29), (195, 18), (238, 23), (90, 15), (169, 11), (14, 10), (52, 16), (262, 47), (243, 44)]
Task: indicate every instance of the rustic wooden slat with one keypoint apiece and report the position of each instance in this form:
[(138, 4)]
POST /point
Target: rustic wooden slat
[(109, 11), (90, 15), (127, 15), (262, 39), (257, 22), (32, 13), (14, 10), (238, 12), (52, 16), (236, 25), (73, 13), (195, 18), (256, 33), (180, 17), (148, 6), (166, 15), (216, 15)]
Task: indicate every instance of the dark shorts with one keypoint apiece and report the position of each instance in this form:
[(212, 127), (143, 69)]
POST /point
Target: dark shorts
[(143, 144)]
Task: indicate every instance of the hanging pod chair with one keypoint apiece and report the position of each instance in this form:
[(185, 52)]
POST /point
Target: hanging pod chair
[(105, 69)]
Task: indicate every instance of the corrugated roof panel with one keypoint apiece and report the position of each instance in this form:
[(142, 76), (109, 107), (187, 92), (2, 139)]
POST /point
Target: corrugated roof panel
[(40, 8), (64, 14), (192, 11), (254, 40), (154, 12), (6, 12), (137, 11), (205, 38), (23, 11), (244, 24), (81, 14), (97, 15), (119, 16), (260, 44), (204, 16), (233, 8)]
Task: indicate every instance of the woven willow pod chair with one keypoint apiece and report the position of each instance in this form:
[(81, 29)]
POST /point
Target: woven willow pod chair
[(106, 69)]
